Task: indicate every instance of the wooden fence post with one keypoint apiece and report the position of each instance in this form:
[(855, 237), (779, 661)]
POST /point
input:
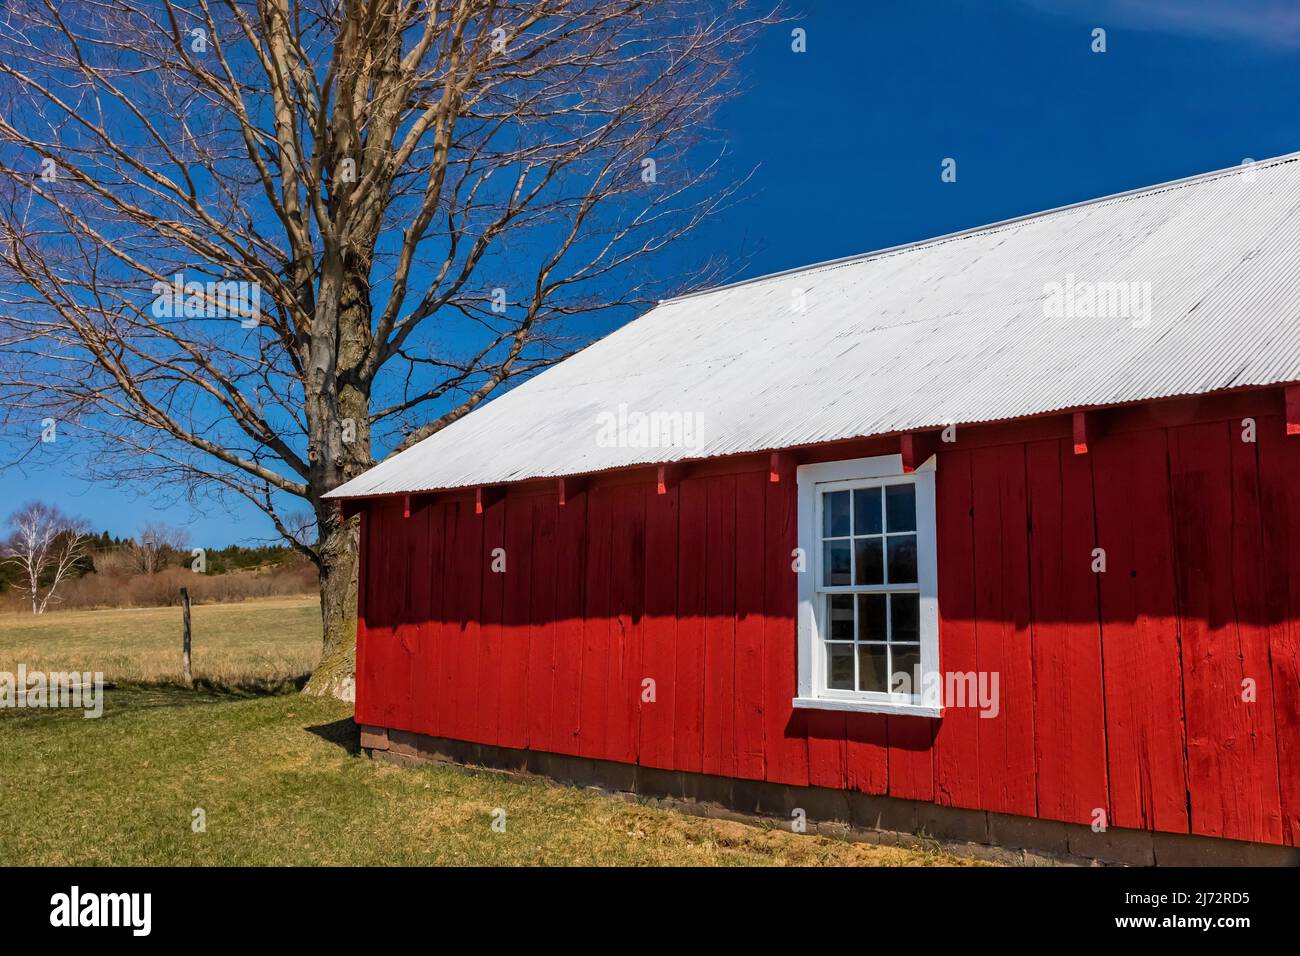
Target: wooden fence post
[(185, 640)]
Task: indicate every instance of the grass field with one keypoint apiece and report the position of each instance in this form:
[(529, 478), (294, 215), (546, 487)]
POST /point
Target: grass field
[(248, 643), (279, 779)]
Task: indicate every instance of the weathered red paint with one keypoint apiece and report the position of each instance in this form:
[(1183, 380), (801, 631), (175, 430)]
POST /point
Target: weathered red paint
[(658, 628)]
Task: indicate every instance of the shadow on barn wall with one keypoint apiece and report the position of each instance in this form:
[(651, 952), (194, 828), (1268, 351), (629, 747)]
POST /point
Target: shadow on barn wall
[(1162, 692)]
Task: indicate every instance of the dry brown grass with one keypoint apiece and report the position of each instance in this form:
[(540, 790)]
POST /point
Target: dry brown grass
[(260, 641), (116, 586)]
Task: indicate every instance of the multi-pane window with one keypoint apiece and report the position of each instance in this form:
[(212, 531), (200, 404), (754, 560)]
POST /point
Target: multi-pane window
[(870, 587), (868, 607)]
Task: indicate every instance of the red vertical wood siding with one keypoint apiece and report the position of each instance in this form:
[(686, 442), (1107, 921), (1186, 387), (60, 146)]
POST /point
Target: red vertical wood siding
[(627, 607), (659, 647), (659, 628), (749, 702), (513, 651), (785, 739), (1231, 753), (1069, 709), (596, 627), (956, 744), (692, 559), (1007, 779), (1279, 464), (539, 670), (570, 577), (490, 666), (1141, 652)]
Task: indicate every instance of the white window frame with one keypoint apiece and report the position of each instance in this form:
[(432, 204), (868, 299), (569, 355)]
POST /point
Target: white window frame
[(813, 480)]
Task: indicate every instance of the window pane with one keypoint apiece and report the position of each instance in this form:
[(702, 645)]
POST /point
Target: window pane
[(873, 666), (835, 514), (867, 554), (841, 616), (902, 559), (839, 666), (871, 617), (905, 676), (905, 616), (900, 504), (835, 562), (866, 511)]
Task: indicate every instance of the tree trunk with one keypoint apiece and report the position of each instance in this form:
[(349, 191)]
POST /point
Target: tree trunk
[(338, 412), (334, 676)]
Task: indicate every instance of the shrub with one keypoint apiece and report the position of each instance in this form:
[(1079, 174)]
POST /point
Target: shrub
[(116, 586)]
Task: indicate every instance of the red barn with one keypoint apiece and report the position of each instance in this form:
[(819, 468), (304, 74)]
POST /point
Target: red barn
[(994, 536)]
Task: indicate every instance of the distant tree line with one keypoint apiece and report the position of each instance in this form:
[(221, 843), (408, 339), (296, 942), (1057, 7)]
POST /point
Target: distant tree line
[(44, 549)]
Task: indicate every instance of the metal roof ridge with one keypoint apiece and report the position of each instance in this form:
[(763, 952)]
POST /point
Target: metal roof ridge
[(987, 227)]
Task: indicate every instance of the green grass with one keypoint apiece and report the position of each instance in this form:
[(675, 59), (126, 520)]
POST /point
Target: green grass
[(281, 782), (279, 776), (252, 642)]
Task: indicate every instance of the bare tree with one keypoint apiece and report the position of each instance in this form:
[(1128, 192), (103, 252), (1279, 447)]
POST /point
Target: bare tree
[(251, 241), (46, 546), (155, 544)]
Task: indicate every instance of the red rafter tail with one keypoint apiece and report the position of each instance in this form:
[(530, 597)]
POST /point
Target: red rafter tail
[(1083, 426), (568, 487), (781, 465), (667, 477), (916, 449)]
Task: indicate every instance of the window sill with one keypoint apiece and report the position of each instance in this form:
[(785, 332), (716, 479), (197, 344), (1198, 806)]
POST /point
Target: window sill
[(866, 706)]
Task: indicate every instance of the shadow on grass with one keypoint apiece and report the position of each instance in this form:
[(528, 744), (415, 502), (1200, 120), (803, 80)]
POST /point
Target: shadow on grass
[(343, 733), (251, 686), (121, 698)]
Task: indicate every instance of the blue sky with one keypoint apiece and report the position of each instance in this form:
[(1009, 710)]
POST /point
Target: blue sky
[(848, 138)]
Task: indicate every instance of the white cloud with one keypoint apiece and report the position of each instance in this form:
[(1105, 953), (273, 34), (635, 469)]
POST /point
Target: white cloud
[(1268, 22)]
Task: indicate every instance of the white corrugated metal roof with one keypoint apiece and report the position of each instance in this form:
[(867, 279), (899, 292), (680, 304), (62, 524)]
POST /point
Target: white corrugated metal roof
[(950, 330)]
